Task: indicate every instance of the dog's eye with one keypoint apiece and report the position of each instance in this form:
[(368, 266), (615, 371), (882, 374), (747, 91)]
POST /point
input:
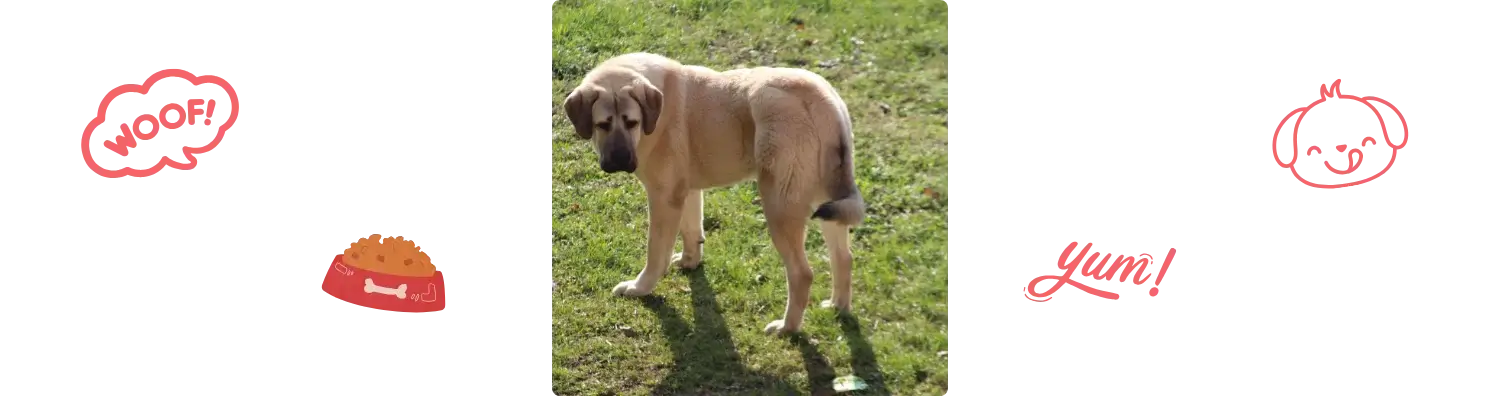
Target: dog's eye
[(1310, 150), (630, 124), (602, 125), (1369, 140)]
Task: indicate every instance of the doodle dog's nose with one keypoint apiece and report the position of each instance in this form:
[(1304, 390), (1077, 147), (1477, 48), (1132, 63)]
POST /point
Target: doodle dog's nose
[(1341, 147)]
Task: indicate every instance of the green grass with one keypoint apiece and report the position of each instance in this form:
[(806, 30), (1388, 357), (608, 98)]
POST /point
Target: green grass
[(700, 333)]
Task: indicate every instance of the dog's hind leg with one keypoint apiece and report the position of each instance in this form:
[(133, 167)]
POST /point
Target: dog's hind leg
[(692, 232), (841, 259), (787, 222), (787, 152)]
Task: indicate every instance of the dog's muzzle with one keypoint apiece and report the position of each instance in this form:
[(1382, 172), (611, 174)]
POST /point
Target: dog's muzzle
[(618, 161)]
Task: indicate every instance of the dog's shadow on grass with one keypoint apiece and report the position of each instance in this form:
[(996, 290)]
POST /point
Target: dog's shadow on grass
[(706, 361), (704, 358), (821, 375), (865, 365)]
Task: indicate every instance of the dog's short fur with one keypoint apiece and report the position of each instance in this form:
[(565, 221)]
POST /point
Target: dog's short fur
[(682, 129)]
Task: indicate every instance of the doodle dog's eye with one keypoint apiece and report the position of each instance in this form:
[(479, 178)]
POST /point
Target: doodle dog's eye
[(1310, 150), (630, 124), (602, 126), (1367, 140)]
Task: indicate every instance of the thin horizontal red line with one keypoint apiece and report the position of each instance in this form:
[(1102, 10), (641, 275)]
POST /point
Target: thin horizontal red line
[(299, 156), (389, 140), (392, 113), (1235, 315), (492, 315), (354, 180), (1331, 291)]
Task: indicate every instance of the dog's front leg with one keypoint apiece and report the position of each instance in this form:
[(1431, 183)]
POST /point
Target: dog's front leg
[(666, 213), (692, 232)]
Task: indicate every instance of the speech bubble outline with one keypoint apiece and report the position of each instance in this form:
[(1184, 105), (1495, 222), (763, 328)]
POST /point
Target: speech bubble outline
[(88, 132)]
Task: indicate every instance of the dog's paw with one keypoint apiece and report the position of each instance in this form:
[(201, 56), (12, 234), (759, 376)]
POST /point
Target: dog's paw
[(629, 289), (830, 304), (685, 262), (779, 328)]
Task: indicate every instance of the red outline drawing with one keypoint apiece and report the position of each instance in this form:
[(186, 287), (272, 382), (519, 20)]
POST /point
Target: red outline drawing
[(1329, 90), (231, 104)]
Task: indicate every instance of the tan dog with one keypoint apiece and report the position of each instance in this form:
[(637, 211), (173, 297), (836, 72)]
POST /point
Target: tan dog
[(681, 129)]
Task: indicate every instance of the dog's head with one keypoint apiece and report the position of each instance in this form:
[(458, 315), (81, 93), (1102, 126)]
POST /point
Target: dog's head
[(613, 108), (1340, 140)]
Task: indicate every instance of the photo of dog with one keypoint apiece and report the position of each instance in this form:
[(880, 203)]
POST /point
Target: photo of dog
[(728, 176), (682, 129)]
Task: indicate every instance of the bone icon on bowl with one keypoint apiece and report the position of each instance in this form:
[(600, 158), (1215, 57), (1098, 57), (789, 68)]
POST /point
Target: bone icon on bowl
[(399, 291)]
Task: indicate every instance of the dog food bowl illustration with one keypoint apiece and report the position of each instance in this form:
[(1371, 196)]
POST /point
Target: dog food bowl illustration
[(384, 291)]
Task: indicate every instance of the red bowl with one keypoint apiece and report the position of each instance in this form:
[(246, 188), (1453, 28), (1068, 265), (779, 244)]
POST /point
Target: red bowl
[(384, 291)]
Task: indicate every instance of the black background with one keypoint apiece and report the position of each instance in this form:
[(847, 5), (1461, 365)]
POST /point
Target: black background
[(1140, 126)]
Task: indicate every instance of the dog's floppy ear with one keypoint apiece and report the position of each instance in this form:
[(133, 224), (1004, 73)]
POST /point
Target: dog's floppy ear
[(650, 100), (1394, 122), (580, 109), (1284, 142)]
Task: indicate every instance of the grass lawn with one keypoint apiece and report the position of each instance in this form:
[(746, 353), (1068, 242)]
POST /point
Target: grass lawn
[(700, 332)]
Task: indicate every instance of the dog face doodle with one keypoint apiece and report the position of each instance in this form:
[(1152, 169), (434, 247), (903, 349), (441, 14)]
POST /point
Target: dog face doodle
[(1341, 165)]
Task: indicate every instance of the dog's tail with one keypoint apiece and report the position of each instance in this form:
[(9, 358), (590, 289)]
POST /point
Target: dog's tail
[(847, 206), (848, 211)]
